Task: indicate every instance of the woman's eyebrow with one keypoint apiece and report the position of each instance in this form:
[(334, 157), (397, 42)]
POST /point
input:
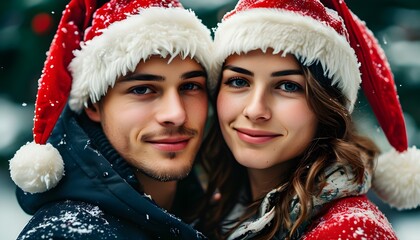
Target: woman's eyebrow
[(274, 74), (287, 72), (238, 70)]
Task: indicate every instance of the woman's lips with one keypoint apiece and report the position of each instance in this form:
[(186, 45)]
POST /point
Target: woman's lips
[(255, 136)]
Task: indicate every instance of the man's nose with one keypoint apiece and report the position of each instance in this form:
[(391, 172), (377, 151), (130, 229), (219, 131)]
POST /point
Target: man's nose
[(172, 110)]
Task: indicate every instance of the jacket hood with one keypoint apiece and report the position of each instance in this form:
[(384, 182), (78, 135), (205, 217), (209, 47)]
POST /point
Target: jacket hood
[(91, 178)]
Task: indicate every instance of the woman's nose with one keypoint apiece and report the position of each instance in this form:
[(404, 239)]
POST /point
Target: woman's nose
[(257, 108)]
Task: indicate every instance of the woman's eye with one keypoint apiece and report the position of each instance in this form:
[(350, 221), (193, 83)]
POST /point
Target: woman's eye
[(290, 87), (141, 90), (237, 83), (190, 87)]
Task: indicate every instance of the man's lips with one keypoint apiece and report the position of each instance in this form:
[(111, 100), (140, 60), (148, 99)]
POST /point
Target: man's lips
[(170, 144), (255, 136)]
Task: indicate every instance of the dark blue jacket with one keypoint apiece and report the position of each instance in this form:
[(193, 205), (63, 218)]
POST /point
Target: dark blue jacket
[(97, 197)]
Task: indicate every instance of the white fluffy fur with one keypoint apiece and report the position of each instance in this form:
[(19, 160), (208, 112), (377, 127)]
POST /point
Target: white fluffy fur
[(154, 31), (291, 33), (38, 172), (397, 178)]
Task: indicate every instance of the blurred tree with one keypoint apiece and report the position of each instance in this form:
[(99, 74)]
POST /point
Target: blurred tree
[(26, 30), (396, 24)]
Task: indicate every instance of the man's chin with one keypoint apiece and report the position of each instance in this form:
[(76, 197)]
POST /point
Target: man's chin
[(169, 174)]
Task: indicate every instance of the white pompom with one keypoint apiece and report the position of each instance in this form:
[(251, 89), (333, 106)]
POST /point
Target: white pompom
[(397, 178), (36, 168)]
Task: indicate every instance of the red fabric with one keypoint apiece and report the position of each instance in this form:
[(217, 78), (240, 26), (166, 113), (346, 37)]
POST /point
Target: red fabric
[(117, 10), (377, 79), (55, 82), (309, 8), (351, 218)]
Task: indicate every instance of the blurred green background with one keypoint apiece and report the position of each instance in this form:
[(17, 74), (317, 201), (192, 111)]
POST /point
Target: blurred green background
[(27, 28)]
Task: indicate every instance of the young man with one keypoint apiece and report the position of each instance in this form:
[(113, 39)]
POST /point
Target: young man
[(120, 114)]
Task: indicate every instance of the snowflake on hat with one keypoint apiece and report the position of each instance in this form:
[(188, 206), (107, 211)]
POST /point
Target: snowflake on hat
[(92, 47)]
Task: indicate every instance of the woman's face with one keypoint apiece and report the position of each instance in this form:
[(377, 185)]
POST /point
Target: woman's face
[(262, 109)]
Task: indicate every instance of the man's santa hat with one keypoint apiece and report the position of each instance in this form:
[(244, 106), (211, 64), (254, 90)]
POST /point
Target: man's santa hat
[(327, 32), (93, 46)]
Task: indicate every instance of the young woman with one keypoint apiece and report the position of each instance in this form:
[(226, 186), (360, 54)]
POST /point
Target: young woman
[(292, 165)]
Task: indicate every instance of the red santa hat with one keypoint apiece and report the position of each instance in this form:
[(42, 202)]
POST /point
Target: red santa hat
[(326, 31), (92, 47)]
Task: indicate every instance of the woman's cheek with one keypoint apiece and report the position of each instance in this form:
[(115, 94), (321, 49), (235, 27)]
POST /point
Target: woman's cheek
[(294, 113), (225, 107)]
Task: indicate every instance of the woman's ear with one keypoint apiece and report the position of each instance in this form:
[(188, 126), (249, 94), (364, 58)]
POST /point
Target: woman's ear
[(93, 112)]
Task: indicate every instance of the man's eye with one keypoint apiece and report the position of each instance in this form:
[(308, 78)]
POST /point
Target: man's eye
[(237, 83), (189, 87), (290, 87), (141, 90)]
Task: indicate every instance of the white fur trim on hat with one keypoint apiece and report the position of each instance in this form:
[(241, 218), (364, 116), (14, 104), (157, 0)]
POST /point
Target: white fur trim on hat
[(396, 179), (38, 172), (154, 31), (288, 32)]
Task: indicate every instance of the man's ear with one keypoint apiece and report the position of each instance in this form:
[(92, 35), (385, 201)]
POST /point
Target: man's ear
[(93, 112)]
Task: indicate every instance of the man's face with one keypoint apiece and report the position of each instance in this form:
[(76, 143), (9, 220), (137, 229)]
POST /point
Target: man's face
[(155, 116)]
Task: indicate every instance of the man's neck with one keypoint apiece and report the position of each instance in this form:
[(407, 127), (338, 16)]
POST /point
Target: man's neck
[(163, 193)]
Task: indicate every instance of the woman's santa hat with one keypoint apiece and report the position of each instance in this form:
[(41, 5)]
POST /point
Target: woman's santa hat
[(92, 47), (328, 32)]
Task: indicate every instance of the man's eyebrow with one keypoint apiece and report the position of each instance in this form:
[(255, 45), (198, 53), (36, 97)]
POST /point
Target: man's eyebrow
[(287, 72), (193, 74), (238, 70), (142, 77)]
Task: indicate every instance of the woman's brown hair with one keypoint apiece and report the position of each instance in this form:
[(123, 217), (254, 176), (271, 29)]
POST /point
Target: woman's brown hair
[(336, 141)]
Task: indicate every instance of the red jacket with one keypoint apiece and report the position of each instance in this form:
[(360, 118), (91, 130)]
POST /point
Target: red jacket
[(351, 218)]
